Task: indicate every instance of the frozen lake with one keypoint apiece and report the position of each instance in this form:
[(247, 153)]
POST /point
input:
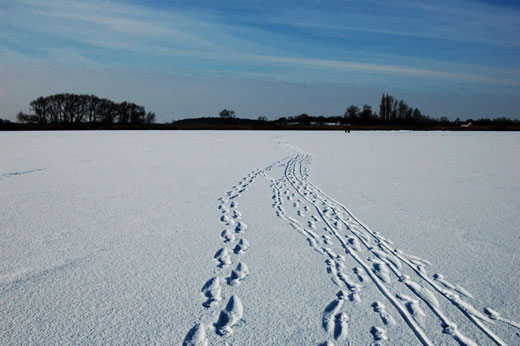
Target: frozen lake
[(141, 237)]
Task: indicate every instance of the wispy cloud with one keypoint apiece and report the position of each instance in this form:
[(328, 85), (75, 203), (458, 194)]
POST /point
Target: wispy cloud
[(442, 44), (104, 23), (464, 21), (389, 69), (51, 25)]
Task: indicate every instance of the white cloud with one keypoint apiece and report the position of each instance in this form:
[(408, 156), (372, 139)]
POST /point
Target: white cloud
[(388, 69)]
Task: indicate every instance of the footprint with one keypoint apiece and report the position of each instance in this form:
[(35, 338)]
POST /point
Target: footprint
[(413, 307), (230, 316), (242, 246), (360, 274), (354, 242), (381, 270), (212, 291), (312, 243), (240, 227), (349, 284), (335, 323), (378, 333), (227, 220), (228, 236), (422, 292), (326, 239), (327, 320), (340, 326), (421, 268), (494, 315), (196, 336), (385, 316), (223, 208), (240, 272), (387, 257), (222, 257)]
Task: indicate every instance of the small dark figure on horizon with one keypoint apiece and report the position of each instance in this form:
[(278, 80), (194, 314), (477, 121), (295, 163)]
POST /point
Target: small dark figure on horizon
[(347, 130)]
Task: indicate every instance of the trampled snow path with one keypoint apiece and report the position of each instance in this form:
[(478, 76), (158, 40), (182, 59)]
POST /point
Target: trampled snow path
[(398, 286)]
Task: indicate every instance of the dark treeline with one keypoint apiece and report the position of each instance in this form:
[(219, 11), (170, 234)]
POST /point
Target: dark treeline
[(396, 114), (391, 111), (70, 111), (75, 109)]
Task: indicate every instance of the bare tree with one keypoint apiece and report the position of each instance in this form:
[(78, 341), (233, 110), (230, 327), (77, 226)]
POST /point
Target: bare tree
[(226, 114), (352, 113)]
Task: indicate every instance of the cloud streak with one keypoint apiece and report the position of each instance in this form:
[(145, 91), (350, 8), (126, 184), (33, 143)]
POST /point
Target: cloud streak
[(390, 69), (446, 45), (120, 27)]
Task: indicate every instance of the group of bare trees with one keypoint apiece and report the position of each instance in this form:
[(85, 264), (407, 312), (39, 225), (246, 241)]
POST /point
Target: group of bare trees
[(390, 110), (73, 109)]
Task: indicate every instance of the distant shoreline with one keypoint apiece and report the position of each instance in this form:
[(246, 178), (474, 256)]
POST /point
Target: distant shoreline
[(249, 127)]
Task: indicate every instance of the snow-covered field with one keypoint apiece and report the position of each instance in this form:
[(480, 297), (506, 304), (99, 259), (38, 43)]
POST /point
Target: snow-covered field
[(272, 238)]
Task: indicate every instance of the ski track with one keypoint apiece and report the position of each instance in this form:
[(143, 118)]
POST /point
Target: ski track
[(408, 294)]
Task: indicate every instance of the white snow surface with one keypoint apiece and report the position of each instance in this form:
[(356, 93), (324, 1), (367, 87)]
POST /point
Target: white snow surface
[(259, 238)]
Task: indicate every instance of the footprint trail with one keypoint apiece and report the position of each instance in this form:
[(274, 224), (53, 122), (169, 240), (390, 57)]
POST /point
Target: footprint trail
[(369, 272)]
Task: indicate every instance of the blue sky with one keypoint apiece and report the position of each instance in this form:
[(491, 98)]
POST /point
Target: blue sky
[(275, 58)]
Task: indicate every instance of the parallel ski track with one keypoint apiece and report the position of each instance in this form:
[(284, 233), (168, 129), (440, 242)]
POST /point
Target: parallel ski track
[(295, 174)]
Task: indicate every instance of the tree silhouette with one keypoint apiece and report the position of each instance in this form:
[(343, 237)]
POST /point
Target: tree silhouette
[(366, 113), (72, 108), (352, 113), (226, 114)]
